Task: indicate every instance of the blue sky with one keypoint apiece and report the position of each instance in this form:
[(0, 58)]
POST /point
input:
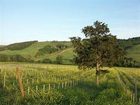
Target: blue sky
[(23, 20)]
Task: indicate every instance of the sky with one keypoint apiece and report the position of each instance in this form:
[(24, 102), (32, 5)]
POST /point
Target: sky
[(25, 20)]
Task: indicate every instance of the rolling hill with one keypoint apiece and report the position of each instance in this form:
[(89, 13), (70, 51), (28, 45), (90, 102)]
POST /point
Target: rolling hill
[(31, 51), (134, 53), (49, 50)]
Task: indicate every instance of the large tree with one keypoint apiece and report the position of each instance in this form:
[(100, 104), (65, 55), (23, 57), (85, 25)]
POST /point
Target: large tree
[(98, 48)]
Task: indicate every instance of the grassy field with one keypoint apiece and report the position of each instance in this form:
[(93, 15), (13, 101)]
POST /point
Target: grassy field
[(46, 84)]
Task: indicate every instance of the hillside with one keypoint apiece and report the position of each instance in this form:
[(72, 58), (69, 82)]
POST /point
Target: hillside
[(134, 52), (30, 52), (48, 51)]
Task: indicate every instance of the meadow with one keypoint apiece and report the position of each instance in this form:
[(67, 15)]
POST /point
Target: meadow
[(49, 84)]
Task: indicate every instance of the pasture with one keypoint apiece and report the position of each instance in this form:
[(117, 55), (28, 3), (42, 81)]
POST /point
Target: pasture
[(48, 84)]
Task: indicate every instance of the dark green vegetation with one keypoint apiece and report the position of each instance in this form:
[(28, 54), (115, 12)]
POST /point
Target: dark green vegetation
[(12, 58), (49, 49), (29, 53), (46, 84), (99, 47)]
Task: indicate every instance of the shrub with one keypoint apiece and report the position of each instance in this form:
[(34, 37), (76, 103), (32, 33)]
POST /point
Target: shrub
[(47, 60), (46, 50), (59, 59)]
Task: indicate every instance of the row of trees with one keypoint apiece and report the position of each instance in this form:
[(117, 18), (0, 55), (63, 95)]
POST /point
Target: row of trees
[(19, 58), (126, 62), (58, 60), (12, 58), (48, 49)]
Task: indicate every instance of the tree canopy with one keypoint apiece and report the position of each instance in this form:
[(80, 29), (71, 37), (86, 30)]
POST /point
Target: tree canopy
[(98, 48)]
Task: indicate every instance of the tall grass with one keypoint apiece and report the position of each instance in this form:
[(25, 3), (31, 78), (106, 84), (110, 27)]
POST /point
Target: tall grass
[(41, 84)]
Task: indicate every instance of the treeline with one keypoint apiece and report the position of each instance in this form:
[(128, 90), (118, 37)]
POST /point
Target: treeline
[(58, 60), (128, 43), (18, 58), (13, 58), (123, 62), (127, 62), (17, 46), (48, 49)]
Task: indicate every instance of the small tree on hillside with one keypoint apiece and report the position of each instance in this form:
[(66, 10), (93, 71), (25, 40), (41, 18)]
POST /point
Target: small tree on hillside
[(98, 48), (59, 59)]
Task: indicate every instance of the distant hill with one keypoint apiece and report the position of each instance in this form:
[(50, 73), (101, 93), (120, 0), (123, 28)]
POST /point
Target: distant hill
[(17, 46), (129, 43), (132, 47), (49, 50), (134, 52)]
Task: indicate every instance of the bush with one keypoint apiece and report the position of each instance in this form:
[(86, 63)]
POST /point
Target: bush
[(59, 59), (61, 46), (46, 61), (46, 50)]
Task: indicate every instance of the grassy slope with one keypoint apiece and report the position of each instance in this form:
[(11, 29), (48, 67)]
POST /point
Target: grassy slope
[(29, 51), (67, 54), (32, 50), (134, 52)]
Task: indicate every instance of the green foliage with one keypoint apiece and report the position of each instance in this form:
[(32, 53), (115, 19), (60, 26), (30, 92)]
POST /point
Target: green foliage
[(126, 62), (48, 49), (59, 59), (99, 48), (61, 46), (13, 58), (47, 60)]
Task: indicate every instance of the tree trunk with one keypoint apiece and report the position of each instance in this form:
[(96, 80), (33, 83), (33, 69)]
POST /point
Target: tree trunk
[(97, 68), (97, 73), (97, 80)]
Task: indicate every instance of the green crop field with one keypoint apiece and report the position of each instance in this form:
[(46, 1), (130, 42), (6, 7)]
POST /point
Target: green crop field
[(48, 84)]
